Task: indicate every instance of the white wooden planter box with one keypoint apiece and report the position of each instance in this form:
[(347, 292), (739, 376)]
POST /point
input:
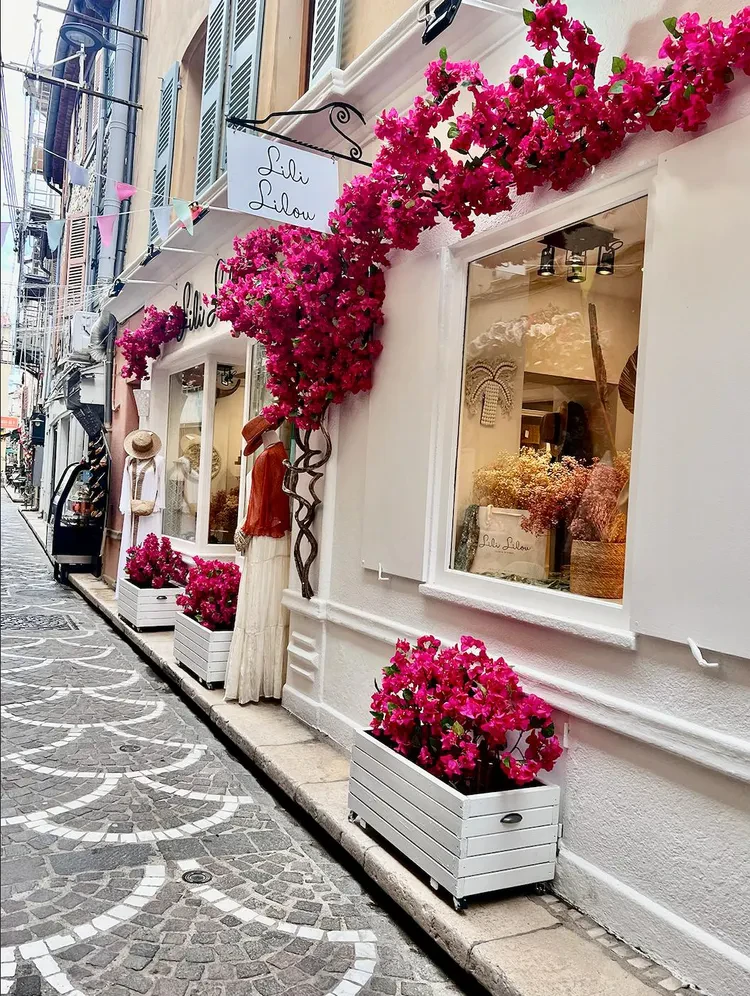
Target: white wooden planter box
[(147, 608), (203, 652), (469, 844)]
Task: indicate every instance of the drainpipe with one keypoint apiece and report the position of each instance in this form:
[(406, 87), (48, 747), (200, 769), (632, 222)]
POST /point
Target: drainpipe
[(118, 128), (135, 78)]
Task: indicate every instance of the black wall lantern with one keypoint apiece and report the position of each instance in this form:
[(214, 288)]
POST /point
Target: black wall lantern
[(437, 15)]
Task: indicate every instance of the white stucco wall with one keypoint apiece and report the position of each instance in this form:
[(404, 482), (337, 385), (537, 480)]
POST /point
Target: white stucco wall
[(656, 845)]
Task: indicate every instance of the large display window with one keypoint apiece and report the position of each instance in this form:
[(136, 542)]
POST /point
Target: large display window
[(226, 456), (183, 452), (548, 398)]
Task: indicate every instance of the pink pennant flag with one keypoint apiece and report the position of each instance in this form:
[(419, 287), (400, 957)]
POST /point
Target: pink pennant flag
[(183, 212), (124, 190), (106, 223)]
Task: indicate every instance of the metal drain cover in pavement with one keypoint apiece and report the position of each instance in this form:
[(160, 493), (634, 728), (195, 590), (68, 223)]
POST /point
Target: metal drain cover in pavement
[(22, 621), (130, 748), (197, 877)]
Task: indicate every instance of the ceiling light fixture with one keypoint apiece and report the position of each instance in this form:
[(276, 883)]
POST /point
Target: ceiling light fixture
[(605, 266), (576, 264), (547, 262)]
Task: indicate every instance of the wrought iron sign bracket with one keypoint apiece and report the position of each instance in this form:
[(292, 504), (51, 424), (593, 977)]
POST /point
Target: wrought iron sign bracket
[(339, 113)]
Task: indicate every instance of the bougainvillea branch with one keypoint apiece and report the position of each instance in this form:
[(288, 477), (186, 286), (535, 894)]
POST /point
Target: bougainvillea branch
[(314, 300), (156, 329)]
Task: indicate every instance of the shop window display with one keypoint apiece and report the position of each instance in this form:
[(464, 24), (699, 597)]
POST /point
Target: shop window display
[(183, 452), (546, 426), (226, 463)]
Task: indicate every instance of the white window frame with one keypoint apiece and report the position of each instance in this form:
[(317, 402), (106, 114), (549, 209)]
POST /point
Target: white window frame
[(188, 355), (575, 614)]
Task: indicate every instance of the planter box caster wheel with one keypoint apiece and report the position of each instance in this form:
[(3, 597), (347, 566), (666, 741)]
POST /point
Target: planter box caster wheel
[(435, 886), (541, 888), (459, 905), (352, 816)]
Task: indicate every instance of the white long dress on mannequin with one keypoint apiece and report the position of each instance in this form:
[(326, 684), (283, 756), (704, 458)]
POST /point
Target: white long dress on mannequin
[(257, 657), (136, 528)]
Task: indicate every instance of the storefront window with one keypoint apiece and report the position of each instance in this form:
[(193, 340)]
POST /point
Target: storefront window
[(226, 461), (183, 452), (550, 362)]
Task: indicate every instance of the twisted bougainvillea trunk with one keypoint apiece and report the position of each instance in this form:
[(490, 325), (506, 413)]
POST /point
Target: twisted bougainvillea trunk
[(308, 460), (314, 300)]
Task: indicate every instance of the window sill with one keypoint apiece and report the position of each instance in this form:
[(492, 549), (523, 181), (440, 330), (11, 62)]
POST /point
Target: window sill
[(623, 639)]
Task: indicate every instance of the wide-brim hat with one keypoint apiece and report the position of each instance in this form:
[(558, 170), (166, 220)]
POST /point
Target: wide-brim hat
[(142, 444), (253, 432)]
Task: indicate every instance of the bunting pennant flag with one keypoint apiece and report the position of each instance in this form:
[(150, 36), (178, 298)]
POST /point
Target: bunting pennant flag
[(162, 216), (124, 190), (4, 226), (54, 233), (106, 225), (77, 175), (183, 212)]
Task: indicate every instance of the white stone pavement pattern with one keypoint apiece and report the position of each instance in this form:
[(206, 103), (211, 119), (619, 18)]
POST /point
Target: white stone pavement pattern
[(138, 855)]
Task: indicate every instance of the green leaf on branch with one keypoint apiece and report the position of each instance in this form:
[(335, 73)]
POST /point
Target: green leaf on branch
[(728, 75), (617, 87), (528, 16), (618, 65), (409, 695), (581, 90), (549, 60), (458, 729), (443, 54), (505, 763), (548, 731), (437, 143), (517, 81), (689, 90), (453, 131), (670, 23)]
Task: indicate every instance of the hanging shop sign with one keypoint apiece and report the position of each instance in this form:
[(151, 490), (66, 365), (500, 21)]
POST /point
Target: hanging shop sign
[(271, 180)]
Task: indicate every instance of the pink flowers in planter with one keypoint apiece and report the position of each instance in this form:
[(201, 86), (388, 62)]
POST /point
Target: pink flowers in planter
[(157, 328), (463, 716), (211, 593), (154, 564)]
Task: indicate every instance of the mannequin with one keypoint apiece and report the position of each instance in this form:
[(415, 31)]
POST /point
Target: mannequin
[(142, 494), (257, 658)]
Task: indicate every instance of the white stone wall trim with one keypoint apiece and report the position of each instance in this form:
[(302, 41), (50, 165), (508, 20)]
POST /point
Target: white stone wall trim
[(623, 639), (719, 751), (651, 910)]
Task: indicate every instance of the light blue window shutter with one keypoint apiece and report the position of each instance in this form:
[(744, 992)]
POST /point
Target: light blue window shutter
[(326, 38), (165, 132), (212, 103), (242, 84)]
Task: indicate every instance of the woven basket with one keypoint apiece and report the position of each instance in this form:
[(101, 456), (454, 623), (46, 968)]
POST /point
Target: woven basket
[(597, 569)]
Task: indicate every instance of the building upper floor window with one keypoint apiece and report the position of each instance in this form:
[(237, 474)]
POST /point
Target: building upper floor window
[(546, 422)]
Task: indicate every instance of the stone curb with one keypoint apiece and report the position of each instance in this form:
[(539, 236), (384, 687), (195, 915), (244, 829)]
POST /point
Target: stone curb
[(512, 946)]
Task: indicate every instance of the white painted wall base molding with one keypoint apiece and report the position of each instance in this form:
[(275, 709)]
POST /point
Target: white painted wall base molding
[(320, 716), (719, 751), (688, 950)]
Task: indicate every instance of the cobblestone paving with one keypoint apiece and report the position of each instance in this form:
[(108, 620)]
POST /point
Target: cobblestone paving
[(138, 855)]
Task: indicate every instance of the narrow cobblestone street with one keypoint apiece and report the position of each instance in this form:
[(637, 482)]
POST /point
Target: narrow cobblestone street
[(138, 855)]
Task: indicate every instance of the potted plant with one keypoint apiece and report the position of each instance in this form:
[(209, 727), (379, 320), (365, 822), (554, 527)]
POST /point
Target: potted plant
[(597, 553), (203, 630), (521, 498), (448, 770), (154, 577)]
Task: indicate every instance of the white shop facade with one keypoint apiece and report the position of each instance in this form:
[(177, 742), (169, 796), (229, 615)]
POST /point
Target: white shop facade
[(643, 650), (201, 391)]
